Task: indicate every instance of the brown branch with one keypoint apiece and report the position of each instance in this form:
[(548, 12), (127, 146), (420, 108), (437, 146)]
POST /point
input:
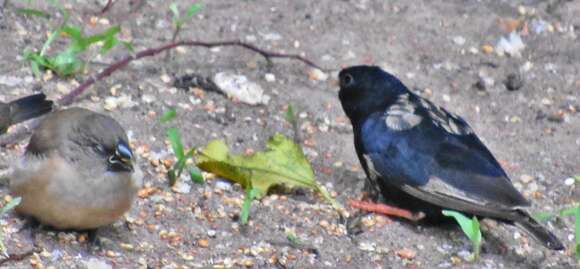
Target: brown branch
[(268, 55), (17, 257), (107, 7)]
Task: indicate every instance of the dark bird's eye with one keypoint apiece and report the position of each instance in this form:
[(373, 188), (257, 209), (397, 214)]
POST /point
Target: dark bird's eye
[(346, 80), (99, 149)]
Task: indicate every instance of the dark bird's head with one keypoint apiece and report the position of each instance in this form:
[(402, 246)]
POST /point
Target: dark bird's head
[(367, 89), (103, 139)]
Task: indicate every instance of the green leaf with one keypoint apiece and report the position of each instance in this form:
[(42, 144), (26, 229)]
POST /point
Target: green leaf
[(175, 10), (35, 62), (12, 204), (576, 178), (194, 8), (195, 174), (168, 115), (65, 63), (470, 227), (109, 44), (49, 41), (292, 238), (35, 69), (129, 46), (104, 36), (175, 140), (33, 12), (283, 163), (74, 33), (245, 214)]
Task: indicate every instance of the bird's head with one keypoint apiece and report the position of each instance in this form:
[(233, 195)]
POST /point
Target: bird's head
[(367, 89), (104, 141)]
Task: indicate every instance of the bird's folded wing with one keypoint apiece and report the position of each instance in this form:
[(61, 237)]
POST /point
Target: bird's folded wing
[(450, 170)]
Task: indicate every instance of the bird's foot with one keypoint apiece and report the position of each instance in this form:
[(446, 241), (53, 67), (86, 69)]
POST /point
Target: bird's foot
[(386, 210), (370, 192), (94, 242), (353, 223)]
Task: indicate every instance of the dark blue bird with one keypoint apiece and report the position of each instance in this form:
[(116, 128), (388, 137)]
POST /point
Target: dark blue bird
[(423, 158)]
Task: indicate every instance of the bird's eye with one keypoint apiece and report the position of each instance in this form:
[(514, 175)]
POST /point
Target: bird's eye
[(98, 148), (346, 80)]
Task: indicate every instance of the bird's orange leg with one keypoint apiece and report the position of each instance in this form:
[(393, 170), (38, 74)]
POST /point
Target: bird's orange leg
[(386, 210)]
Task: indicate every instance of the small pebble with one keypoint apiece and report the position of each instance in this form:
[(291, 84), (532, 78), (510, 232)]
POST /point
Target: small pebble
[(526, 178), (459, 40), (487, 49), (569, 181), (316, 74), (270, 77), (211, 233), (406, 253), (514, 82), (204, 243)]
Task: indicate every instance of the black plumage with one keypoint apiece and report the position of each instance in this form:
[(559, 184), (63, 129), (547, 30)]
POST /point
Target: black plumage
[(424, 158), (23, 109)]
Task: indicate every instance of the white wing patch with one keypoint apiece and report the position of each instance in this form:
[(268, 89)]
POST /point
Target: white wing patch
[(445, 119), (401, 115), (373, 173)]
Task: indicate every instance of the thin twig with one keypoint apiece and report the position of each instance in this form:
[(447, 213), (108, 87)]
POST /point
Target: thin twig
[(25, 129), (268, 55), (17, 257), (106, 8)]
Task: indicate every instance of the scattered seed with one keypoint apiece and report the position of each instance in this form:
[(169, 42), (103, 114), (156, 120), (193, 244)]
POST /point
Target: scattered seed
[(406, 253)]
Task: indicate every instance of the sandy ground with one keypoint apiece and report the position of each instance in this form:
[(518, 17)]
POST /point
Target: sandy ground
[(437, 49)]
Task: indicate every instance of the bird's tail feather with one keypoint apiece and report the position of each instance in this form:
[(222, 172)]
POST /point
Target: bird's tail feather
[(538, 231), (29, 107)]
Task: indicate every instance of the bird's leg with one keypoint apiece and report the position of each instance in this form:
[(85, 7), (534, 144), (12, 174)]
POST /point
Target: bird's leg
[(369, 203), (369, 193), (93, 238), (386, 210)]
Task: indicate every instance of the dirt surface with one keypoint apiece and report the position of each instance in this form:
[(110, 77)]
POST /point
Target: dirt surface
[(436, 48)]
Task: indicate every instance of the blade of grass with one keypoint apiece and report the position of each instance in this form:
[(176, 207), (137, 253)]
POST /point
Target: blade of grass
[(194, 8), (543, 216), (168, 115), (175, 10), (569, 211), (175, 140), (290, 115), (470, 228), (195, 174), (12, 204), (33, 12), (245, 214)]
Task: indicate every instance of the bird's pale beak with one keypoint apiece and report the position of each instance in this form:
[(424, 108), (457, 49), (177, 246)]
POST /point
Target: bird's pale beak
[(122, 160)]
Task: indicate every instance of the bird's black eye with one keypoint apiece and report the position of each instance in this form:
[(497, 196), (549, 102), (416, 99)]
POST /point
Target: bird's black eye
[(346, 80)]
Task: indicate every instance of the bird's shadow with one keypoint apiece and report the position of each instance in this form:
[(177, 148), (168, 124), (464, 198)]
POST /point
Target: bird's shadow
[(95, 240)]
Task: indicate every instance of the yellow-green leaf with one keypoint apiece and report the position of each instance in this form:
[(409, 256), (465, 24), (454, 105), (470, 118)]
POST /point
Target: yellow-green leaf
[(283, 163)]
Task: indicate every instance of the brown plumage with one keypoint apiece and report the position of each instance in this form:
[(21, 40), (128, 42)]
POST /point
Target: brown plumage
[(77, 171)]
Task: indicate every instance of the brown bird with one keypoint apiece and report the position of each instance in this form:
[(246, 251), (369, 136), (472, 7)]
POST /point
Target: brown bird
[(77, 172), (23, 109)]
